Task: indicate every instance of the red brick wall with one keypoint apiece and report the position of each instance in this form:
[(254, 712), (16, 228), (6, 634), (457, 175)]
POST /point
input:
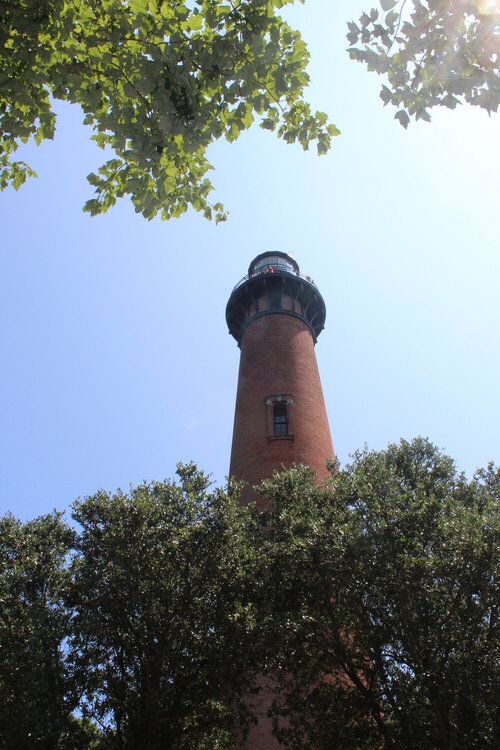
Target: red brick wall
[(260, 735), (277, 357)]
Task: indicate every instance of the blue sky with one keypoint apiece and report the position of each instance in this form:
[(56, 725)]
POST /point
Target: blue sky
[(116, 361)]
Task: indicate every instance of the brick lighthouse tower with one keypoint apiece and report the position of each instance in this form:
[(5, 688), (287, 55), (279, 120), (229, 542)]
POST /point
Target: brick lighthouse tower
[(275, 313)]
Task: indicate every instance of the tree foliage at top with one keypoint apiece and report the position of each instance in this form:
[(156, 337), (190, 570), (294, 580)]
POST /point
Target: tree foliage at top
[(158, 81), (432, 52)]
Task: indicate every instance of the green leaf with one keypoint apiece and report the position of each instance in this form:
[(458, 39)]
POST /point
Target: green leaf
[(385, 95), (195, 22), (391, 18), (403, 118), (333, 130)]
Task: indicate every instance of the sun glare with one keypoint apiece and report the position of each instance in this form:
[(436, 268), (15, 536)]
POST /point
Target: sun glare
[(488, 6)]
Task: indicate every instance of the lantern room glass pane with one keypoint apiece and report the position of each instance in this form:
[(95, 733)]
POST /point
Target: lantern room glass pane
[(276, 262)]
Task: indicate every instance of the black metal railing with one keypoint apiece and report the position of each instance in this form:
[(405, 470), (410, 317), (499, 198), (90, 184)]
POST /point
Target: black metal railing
[(271, 269)]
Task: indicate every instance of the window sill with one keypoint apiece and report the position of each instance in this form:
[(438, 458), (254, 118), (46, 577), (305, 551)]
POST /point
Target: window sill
[(290, 436)]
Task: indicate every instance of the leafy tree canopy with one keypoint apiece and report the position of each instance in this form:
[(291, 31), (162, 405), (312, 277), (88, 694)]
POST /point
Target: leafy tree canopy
[(383, 614), (36, 695), (432, 52), (158, 81), (371, 602), (162, 632)]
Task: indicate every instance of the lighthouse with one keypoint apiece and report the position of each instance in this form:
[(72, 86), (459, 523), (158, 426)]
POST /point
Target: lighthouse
[(276, 314)]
